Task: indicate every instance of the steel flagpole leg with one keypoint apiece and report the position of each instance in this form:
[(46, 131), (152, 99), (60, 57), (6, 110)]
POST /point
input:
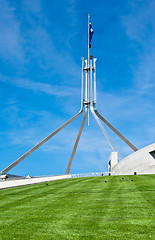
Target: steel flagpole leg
[(40, 144), (76, 143), (103, 130), (115, 131), (112, 145)]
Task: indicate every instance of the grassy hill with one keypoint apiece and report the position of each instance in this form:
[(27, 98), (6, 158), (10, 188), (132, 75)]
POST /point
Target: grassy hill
[(82, 208)]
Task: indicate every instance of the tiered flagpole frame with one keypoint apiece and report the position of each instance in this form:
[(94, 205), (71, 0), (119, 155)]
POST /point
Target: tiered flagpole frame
[(88, 103)]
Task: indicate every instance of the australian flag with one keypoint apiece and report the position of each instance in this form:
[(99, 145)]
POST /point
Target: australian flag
[(91, 31)]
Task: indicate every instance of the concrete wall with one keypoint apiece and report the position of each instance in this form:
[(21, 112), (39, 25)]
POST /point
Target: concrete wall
[(141, 162), (22, 182), (113, 160)]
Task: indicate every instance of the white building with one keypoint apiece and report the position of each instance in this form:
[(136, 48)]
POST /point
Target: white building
[(139, 162)]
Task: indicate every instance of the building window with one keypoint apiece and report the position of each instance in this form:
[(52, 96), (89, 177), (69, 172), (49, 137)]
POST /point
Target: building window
[(152, 153)]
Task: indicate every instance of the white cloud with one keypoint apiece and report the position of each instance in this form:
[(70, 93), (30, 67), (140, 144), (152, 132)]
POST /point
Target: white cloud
[(32, 6), (36, 87), (140, 22), (132, 113), (11, 42), (50, 55), (50, 49), (139, 26), (144, 75), (20, 45)]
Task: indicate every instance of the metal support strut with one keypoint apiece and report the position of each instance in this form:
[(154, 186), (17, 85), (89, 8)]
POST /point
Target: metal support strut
[(103, 119), (105, 133), (40, 144), (76, 143), (115, 131)]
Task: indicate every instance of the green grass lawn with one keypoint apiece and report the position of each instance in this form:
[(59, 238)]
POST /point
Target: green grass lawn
[(81, 208)]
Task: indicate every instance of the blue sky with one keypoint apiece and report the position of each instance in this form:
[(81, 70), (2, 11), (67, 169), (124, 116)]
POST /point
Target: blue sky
[(41, 45)]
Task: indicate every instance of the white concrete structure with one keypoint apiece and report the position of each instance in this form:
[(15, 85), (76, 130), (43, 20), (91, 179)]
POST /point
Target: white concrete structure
[(29, 181), (113, 160), (139, 162)]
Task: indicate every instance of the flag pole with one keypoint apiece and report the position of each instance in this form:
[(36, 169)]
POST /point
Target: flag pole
[(88, 40), (88, 72)]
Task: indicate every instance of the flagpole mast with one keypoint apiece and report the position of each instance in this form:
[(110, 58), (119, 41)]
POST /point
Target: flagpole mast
[(88, 39), (88, 72)]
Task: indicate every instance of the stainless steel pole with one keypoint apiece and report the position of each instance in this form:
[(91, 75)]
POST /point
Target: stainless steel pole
[(76, 143), (115, 131), (88, 39), (94, 82), (103, 130), (39, 144), (86, 85), (82, 84), (91, 83), (88, 72)]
